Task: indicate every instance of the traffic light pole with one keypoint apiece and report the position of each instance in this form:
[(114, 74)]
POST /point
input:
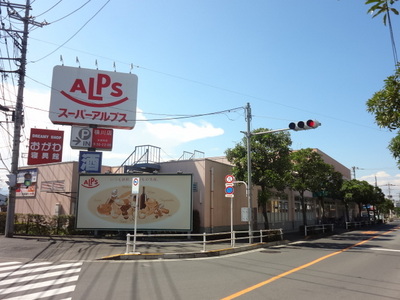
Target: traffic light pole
[(248, 134), (310, 124)]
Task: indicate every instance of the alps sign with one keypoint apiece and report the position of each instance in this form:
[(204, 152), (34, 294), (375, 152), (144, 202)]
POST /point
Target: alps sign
[(84, 96)]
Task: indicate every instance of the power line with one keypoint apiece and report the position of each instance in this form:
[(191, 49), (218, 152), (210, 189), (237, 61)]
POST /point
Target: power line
[(79, 8), (46, 11), (73, 34)]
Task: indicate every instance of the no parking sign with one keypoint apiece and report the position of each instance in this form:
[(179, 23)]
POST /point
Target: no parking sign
[(229, 190), (135, 185)]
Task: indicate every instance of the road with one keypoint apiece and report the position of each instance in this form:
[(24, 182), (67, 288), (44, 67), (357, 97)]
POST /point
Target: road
[(361, 264)]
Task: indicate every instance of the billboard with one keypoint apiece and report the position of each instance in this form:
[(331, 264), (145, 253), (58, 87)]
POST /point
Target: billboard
[(25, 189), (93, 97), (45, 146), (105, 201)]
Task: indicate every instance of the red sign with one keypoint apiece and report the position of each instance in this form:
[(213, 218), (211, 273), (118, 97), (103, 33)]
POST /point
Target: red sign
[(45, 146), (86, 138), (102, 138)]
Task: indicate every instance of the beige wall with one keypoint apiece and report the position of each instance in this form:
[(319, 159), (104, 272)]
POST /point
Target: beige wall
[(338, 166), (208, 192), (44, 203)]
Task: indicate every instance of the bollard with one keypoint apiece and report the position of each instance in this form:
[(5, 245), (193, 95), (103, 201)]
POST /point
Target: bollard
[(204, 242), (127, 243)]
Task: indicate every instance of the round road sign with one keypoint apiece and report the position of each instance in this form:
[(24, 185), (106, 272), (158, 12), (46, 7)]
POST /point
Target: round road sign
[(229, 178)]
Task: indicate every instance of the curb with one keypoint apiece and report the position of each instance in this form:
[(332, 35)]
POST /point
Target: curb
[(185, 255)]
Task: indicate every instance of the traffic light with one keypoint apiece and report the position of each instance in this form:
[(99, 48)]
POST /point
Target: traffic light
[(301, 125), (27, 179), (12, 180)]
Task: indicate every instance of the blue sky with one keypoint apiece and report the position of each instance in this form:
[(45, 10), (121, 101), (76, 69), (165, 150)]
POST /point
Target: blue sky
[(291, 60)]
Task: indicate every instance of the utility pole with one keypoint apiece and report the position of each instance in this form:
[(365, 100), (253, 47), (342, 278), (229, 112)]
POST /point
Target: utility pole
[(354, 171), (249, 182), (12, 10)]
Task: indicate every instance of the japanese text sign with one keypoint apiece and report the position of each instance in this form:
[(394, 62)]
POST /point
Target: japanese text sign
[(45, 146), (90, 161), (86, 137), (83, 96)]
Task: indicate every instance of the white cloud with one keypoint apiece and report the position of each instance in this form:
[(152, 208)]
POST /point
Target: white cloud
[(390, 184), (168, 135), (378, 176), (183, 132)]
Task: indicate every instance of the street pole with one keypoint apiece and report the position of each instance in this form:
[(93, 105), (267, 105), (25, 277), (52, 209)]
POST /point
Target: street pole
[(9, 230), (249, 183), (13, 10), (248, 134)]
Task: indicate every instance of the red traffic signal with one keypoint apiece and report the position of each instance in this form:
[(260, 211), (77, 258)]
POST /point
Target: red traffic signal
[(301, 125)]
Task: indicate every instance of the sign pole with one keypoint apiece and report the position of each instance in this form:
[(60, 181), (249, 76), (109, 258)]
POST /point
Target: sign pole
[(135, 191), (135, 228), (229, 192), (232, 235)]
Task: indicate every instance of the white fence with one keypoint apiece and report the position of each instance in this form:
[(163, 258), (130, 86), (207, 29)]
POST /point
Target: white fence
[(315, 229), (205, 241), (350, 225)]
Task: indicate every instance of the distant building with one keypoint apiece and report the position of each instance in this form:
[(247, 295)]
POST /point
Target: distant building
[(56, 188)]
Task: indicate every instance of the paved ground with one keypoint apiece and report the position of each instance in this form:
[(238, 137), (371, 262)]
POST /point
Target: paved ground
[(75, 248), (55, 248)]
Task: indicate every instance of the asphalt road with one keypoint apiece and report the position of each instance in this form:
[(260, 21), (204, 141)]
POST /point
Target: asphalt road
[(363, 264), (360, 264)]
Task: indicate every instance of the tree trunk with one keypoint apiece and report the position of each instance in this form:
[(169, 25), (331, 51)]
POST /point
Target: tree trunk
[(321, 209), (265, 215), (303, 208), (359, 210), (347, 216)]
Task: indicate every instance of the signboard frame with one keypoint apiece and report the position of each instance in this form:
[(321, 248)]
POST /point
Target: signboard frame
[(22, 190), (45, 146), (171, 194), (91, 138), (82, 96)]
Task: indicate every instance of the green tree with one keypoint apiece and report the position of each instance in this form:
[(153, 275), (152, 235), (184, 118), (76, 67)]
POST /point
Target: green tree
[(270, 163), (385, 103), (386, 207), (309, 171), (359, 192), (382, 7), (378, 200), (396, 210), (327, 185)]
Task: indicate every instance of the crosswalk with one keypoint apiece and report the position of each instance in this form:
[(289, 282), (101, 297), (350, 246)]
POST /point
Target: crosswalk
[(38, 280)]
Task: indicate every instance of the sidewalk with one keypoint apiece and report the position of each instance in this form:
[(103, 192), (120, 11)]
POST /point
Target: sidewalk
[(76, 248)]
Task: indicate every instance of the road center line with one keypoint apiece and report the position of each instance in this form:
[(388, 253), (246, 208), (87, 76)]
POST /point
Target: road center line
[(258, 285)]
